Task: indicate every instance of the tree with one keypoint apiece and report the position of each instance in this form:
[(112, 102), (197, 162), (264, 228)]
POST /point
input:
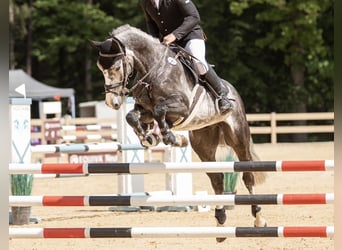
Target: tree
[(19, 13), (62, 29), (297, 30), (231, 47), (277, 53)]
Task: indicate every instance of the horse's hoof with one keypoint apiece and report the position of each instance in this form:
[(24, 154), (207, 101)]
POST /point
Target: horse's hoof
[(219, 240), (181, 141), (153, 140), (145, 144), (261, 223), (169, 138)]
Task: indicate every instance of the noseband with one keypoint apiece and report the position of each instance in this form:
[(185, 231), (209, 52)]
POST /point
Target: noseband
[(121, 55)]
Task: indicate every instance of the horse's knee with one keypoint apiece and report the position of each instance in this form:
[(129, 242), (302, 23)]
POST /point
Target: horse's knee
[(132, 118), (160, 111)]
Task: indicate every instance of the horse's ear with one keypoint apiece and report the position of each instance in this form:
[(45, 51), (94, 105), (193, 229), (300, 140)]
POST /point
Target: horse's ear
[(95, 44), (117, 45)]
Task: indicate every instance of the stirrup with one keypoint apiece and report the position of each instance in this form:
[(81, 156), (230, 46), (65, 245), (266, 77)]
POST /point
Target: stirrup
[(224, 107)]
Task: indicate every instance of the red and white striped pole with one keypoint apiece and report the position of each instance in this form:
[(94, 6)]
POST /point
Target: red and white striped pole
[(172, 200), (173, 232), (172, 167)]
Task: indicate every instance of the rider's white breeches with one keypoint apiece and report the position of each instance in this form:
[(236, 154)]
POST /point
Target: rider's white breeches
[(197, 48)]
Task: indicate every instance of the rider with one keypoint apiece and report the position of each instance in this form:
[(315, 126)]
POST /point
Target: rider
[(177, 21)]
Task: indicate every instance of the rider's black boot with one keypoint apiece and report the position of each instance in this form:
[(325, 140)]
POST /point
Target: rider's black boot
[(220, 91)]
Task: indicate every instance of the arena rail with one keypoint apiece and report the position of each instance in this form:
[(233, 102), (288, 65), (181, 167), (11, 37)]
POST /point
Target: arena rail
[(71, 130), (84, 128), (274, 128)]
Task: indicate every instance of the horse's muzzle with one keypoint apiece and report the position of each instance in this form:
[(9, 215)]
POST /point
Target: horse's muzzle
[(113, 101), (115, 106)]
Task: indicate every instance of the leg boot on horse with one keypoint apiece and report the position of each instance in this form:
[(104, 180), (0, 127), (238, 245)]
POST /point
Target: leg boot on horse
[(219, 90)]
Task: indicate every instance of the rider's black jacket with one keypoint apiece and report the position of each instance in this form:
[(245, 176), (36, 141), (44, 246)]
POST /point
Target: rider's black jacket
[(179, 17)]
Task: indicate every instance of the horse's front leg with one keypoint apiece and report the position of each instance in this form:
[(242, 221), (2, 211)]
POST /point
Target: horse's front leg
[(150, 125), (169, 138), (133, 118)]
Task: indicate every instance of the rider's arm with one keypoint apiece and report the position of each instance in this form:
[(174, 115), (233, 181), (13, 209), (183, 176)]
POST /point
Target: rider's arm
[(190, 15), (151, 26)]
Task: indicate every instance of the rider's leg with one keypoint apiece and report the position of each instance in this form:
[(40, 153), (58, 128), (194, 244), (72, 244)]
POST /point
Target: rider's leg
[(197, 48), (219, 89)]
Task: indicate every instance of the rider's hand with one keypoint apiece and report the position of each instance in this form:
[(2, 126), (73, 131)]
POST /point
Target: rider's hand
[(168, 39)]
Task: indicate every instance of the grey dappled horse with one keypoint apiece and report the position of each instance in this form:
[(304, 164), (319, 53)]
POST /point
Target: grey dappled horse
[(166, 92)]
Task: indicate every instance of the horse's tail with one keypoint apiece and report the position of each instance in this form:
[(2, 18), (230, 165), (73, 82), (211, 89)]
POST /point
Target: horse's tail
[(259, 177)]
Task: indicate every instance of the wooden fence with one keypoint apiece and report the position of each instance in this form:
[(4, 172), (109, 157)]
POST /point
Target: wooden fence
[(271, 124), (61, 131), (274, 127)]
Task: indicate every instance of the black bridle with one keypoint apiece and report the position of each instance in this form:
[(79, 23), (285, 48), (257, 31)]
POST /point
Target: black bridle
[(120, 55)]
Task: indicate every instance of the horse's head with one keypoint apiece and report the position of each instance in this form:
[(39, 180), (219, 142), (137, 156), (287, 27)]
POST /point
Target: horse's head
[(116, 67)]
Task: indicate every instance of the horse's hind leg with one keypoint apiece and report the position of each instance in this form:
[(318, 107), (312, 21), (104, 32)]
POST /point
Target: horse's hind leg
[(241, 141), (205, 142), (249, 181)]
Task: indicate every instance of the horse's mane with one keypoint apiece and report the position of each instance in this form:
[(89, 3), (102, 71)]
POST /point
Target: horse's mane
[(127, 29)]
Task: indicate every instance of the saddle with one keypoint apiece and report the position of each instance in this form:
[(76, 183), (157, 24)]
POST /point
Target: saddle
[(186, 59), (199, 90)]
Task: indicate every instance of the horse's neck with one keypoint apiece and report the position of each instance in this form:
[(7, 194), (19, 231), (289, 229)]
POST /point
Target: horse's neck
[(147, 51), (147, 57)]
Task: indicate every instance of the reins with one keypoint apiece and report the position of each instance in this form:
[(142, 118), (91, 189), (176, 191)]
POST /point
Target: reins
[(140, 81), (181, 49)]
